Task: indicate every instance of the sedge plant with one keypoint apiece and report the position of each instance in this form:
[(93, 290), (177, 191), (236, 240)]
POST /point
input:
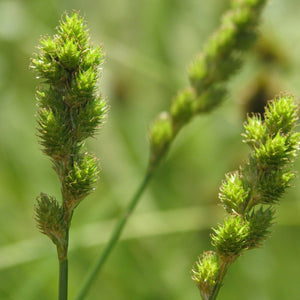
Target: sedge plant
[(249, 195), (209, 74), (70, 110)]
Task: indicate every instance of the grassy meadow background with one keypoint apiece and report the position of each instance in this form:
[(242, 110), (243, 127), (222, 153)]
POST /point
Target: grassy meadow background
[(148, 45)]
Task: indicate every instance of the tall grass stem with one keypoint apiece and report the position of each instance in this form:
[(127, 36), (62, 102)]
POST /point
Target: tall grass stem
[(114, 236)]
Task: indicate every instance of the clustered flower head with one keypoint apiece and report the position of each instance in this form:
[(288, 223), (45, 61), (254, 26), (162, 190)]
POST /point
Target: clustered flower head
[(249, 194), (205, 273), (209, 72), (70, 110)]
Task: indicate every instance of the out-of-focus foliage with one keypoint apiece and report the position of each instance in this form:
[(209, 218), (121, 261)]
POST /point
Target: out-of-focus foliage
[(148, 46)]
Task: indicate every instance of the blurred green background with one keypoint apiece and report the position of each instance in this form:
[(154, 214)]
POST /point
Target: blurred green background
[(148, 46)]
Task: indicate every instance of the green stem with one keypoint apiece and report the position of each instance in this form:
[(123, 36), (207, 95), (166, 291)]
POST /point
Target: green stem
[(224, 267), (63, 280), (115, 236), (63, 270)]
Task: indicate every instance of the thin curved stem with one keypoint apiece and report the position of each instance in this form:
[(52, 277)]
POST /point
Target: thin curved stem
[(115, 236)]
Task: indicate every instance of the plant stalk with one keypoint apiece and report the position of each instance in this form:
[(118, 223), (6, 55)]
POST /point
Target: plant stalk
[(63, 279), (114, 236), (223, 270), (63, 270)]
